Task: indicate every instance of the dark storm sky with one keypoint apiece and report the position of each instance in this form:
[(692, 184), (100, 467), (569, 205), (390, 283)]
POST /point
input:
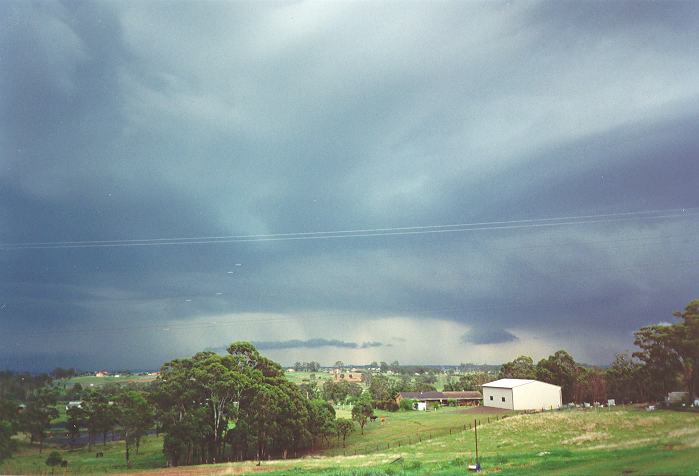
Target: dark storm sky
[(159, 121)]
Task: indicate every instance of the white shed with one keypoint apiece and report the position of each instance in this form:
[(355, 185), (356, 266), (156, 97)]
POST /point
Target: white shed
[(521, 394)]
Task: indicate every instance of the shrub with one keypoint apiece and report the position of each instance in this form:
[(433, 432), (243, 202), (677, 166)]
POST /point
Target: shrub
[(407, 404)]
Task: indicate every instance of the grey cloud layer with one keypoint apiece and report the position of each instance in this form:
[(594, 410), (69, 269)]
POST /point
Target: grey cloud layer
[(124, 120)]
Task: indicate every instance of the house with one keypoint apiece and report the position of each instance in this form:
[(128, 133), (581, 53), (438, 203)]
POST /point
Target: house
[(101, 373), (443, 398), (521, 394)]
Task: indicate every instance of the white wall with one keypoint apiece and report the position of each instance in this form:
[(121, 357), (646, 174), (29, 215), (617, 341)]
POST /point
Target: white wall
[(536, 396), (498, 394)]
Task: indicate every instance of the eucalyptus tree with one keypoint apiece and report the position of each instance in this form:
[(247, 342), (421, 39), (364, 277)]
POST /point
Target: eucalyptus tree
[(344, 427), (37, 415), (135, 417)]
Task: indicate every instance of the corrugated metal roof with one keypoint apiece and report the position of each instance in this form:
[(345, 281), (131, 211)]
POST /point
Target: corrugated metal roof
[(508, 383)]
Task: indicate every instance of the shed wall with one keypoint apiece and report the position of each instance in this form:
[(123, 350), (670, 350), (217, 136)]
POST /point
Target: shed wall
[(536, 396), (498, 394)]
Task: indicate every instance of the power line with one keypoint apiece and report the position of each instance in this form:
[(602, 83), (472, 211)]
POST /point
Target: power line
[(366, 233)]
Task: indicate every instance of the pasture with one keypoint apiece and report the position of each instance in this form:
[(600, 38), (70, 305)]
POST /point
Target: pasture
[(571, 442), (87, 381)]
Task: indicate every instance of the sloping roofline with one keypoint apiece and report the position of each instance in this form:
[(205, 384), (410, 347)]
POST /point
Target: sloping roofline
[(512, 382)]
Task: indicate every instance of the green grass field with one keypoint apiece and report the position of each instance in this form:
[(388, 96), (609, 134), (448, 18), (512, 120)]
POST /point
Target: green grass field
[(92, 381), (28, 460), (621, 441), (406, 428)]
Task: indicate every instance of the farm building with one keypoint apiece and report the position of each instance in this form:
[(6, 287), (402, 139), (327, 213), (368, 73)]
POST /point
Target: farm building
[(443, 398), (520, 394)]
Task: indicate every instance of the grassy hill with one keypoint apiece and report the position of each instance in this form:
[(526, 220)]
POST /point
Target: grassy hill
[(593, 442)]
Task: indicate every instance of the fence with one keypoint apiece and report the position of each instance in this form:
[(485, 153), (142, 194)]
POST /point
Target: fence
[(412, 439)]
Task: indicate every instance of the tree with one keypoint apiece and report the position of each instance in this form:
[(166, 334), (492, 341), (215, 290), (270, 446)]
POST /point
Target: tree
[(99, 415), (344, 427), (559, 369), (380, 388), (7, 444), (322, 420), (340, 364), (522, 367), (661, 364), (54, 460), (624, 379), (135, 416), (686, 344), (313, 366), (75, 419), (361, 411), (36, 417)]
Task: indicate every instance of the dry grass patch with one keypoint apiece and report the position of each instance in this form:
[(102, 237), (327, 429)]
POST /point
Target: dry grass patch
[(586, 438)]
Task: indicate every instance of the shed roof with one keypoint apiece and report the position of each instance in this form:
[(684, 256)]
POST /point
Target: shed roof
[(467, 395), (509, 383)]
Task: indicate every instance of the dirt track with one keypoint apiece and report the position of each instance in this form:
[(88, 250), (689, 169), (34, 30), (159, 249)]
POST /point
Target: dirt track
[(233, 468)]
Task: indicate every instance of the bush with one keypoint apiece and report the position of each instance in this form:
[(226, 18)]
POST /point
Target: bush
[(407, 404), (54, 460)]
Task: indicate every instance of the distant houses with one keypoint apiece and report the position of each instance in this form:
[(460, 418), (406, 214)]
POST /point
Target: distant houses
[(340, 375), (465, 398), (521, 394)]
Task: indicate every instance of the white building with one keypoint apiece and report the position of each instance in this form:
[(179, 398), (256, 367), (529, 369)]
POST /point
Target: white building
[(520, 394)]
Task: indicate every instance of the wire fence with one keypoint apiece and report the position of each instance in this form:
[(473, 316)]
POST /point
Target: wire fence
[(417, 437)]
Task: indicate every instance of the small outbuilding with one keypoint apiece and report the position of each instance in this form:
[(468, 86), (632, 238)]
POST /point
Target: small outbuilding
[(521, 394)]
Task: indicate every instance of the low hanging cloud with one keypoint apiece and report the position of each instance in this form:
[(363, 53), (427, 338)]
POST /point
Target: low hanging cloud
[(314, 343), (488, 336)]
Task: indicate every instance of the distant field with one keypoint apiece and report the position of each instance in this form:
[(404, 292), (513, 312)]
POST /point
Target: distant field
[(305, 377), (91, 380)]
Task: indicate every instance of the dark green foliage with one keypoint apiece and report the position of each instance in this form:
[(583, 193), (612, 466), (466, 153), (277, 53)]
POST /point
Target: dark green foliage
[(406, 404), (521, 367), (54, 460), (344, 428), (340, 391), (241, 400), (36, 417), (7, 445), (361, 411), (75, 421), (135, 417)]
